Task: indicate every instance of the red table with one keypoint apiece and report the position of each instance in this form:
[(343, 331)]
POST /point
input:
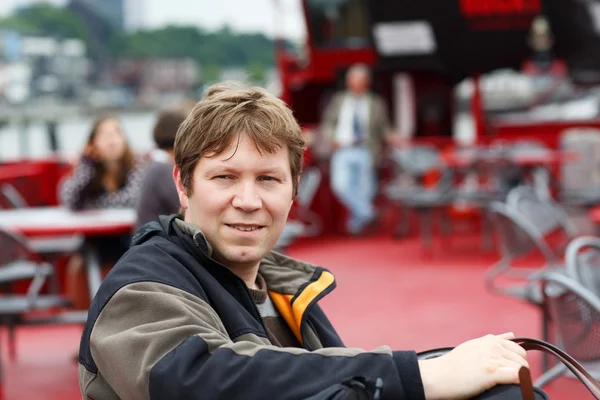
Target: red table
[(53, 222), (525, 157), (60, 221)]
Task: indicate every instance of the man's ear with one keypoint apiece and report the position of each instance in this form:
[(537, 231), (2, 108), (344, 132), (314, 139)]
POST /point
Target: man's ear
[(181, 192)]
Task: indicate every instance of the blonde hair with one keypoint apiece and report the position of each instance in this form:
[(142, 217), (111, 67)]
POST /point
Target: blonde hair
[(225, 112)]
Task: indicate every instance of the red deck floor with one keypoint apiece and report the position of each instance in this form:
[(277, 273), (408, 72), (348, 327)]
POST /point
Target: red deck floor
[(388, 293)]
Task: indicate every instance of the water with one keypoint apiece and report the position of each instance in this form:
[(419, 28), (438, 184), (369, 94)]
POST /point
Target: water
[(72, 134)]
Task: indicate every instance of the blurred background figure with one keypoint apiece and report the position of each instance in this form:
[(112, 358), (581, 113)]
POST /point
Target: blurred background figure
[(158, 193), (107, 175), (355, 124), (541, 42)]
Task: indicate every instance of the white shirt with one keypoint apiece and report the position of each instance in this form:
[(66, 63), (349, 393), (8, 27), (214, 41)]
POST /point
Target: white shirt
[(344, 132)]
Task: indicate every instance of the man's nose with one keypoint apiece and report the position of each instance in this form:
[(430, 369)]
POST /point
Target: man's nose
[(247, 197)]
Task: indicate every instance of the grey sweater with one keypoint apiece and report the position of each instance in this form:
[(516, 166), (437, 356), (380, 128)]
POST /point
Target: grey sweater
[(158, 194)]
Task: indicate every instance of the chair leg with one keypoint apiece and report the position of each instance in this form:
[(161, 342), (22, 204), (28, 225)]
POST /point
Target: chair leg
[(12, 345), (425, 221), (545, 337), (550, 375), (487, 237), (445, 226), (404, 224), (54, 284), (1, 375)]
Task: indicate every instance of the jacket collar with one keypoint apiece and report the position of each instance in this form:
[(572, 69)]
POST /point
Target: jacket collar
[(294, 286), (282, 274)]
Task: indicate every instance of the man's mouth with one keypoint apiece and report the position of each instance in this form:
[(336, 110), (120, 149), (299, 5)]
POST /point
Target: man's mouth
[(245, 228)]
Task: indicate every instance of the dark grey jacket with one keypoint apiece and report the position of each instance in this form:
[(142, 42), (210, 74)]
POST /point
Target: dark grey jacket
[(169, 322)]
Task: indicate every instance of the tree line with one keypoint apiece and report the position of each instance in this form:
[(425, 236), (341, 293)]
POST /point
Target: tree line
[(211, 49)]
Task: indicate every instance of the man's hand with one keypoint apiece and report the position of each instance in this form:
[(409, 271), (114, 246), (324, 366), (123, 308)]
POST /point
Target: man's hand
[(473, 367)]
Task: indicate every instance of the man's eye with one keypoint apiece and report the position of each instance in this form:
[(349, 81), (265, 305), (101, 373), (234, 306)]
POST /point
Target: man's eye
[(268, 179), (223, 177)]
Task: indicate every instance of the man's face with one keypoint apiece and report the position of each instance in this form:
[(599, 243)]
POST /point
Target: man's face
[(240, 202), (357, 82)]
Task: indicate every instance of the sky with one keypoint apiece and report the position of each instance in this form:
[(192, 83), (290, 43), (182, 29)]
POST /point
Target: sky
[(241, 15)]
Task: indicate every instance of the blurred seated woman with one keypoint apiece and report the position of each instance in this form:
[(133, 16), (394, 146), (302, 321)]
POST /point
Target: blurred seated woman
[(107, 175)]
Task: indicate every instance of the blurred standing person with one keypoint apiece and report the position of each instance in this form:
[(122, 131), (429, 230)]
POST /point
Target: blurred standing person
[(355, 124), (158, 194), (107, 175)]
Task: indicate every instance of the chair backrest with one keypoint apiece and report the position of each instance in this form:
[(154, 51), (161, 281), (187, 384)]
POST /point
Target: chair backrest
[(416, 160), (307, 189), (575, 312), (517, 236), (582, 260), (527, 145), (12, 196), (583, 173), (13, 248), (308, 186), (544, 214)]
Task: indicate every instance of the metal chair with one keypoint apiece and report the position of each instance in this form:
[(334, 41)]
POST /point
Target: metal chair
[(517, 239), (575, 313), (416, 160), (582, 262), (19, 263), (12, 197), (579, 179), (308, 223), (492, 166), (538, 176), (544, 213), (412, 164)]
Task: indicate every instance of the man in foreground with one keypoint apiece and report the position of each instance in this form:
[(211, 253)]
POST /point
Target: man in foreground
[(200, 308)]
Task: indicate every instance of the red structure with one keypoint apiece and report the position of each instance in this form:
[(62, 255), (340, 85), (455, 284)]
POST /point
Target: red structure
[(438, 43)]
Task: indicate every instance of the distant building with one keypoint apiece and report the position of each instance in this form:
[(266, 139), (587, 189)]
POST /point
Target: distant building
[(59, 67), (34, 66), (150, 77)]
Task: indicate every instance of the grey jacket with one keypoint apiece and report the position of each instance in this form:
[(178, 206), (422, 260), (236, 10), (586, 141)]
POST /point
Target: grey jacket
[(378, 128), (158, 194)]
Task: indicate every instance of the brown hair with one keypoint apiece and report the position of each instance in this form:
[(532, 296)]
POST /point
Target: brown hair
[(126, 162), (166, 127), (226, 111)]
